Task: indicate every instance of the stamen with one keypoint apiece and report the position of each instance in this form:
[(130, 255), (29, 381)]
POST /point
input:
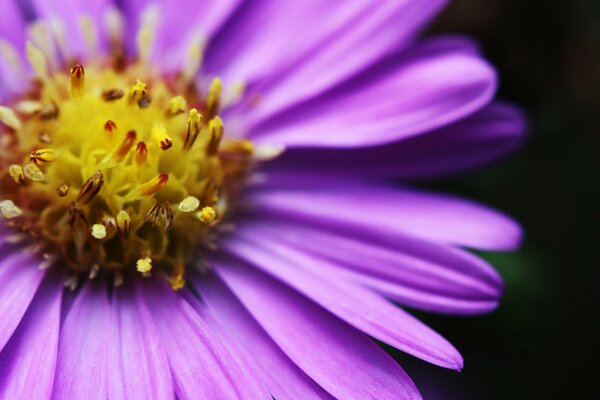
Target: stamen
[(37, 60), (91, 188), (177, 105), (16, 173), (77, 81), (49, 111), (189, 204), (141, 154), (32, 172), (162, 211), (215, 131), (146, 34), (58, 32), (113, 94), (89, 34), (194, 58), (40, 35), (9, 210), (42, 156), (177, 280), (9, 118), (110, 127), (149, 188), (213, 98), (194, 126), (99, 231), (124, 222), (113, 20), (159, 134), (144, 265), (137, 92), (123, 148), (62, 190), (207, 215)]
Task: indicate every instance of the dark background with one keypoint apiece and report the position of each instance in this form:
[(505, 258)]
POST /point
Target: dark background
[(541, 342)]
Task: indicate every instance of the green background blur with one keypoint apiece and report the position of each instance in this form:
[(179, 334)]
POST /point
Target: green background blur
[(540, 343)]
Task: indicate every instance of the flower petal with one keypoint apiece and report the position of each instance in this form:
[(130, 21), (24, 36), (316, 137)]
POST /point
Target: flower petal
[(429, 86), (385, 210), (319, 343), (139, 368), (359, 306), (81, 370), (12, 30), (201, 366), (19, 281), (436, 279), (340, 43), (30, 355), (482, 137), (289, 382)]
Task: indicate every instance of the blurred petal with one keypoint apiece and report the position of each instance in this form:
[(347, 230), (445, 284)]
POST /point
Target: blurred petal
[(429, 86), (386, 210), (81, 370), (289, 382), (30, 355), (342, 360), (138, 367), (485, 136)]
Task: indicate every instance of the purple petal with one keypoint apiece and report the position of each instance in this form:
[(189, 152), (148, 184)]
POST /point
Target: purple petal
[(429, 86), (282, 377), (485, 136), (346, 41), (435, 281), (81, 370), (201, 366), (385, 210), (138, 368), (12, 30), (359, 306), (342, 360), (28, 360), (19, 281)]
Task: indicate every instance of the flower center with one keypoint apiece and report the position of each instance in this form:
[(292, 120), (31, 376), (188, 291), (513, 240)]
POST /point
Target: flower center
[(117, 167)]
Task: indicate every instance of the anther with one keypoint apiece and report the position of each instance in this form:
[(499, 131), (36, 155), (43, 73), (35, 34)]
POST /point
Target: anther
[(141, 154), (32, 172), (62, 190), (9, 210), (159, 134), (42, 156), (207, 215), (162, 211), (213, 97), (124, 222), (110, 127), (99, 231), (89, 34), (37, 60), (77, 81), (122, 149), (194, 126), (177, 280), (146, 33), (16, 173), (144, 265), (189, 204), (112, 94), (9, 118), (91, 188), (215, 131), (149, 188), (137, 91), (177, 105), (77, 215)]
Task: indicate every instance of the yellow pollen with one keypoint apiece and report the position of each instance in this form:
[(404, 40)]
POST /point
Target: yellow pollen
[(189, 204), (16, 173), (144, 265), (194, 127), (9, 210), (207, 215), (99, 231), (137, 91), (177, 105), (213, 98)]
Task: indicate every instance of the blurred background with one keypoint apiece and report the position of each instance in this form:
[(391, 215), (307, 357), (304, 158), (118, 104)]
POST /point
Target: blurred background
[(541, 341)]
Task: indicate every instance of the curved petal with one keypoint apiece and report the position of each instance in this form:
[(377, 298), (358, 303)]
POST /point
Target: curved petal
[(19, 281), (483, 137), (359, 306), (426, 87), (432, 282), (289, 382), (386, 210), (201, 366), (28, 360), (81, 368), (12, 35), (319, 343), (139, 368), (346, 40)]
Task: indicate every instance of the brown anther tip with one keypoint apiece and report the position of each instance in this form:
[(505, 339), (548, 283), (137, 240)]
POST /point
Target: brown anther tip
[(62, 190), (77, 71), (141, 154), (166, 144), (113, 94), (91, 188), (131, 135), (110, 126), (163, 179)]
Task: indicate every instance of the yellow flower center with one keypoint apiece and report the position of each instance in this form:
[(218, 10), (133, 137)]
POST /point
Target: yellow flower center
[(117, 167)]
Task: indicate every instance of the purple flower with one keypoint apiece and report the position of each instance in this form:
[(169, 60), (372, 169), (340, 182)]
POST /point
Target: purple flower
[(207, 180)]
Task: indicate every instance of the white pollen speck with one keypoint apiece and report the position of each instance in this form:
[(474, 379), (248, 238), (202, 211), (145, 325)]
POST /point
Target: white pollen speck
[(189, 204), (99, 231), (9, 209)]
